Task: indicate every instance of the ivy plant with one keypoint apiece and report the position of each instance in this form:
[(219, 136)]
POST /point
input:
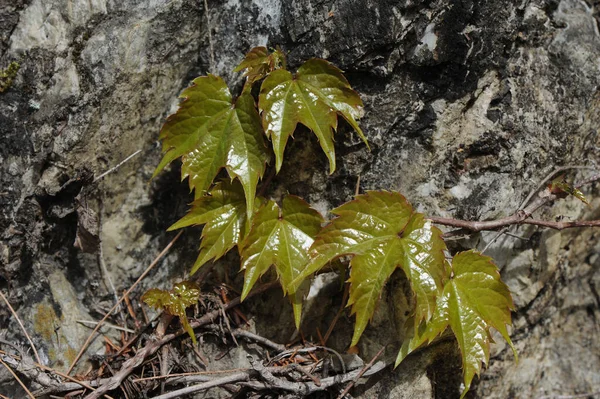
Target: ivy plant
[(175, 302), (379, 231)]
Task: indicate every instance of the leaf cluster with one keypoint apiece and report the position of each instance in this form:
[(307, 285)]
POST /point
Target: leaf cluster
[(175, 302), (378, 231)]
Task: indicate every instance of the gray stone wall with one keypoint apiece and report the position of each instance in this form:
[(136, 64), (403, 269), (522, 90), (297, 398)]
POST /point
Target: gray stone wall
[(469, 105)]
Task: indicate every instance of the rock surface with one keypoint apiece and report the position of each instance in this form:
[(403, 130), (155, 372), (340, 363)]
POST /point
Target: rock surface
[(469, 105)]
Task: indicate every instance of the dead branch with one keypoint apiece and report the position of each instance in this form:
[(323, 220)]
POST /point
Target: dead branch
[(196, 375), (262, 378), (37, 357), (27, 367), (575, 396), (34, 371), (230, 379), (153, 345), (360, 374), (292, 352), (326, 383), (18, 379), (67, 387), (241, 333), (91, 336)]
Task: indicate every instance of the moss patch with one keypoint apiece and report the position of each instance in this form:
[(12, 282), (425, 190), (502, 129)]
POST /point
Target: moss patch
[(7, 75), (44, 321)]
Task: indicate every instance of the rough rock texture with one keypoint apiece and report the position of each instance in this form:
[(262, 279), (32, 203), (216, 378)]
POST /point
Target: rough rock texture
[(469, 105)]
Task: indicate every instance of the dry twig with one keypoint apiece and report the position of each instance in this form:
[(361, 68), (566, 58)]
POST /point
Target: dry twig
[(18, 379), (91, 336), (248, 379), (37, 357), (293, 352), (108, 325), (576, 396), (360, 374), (101, 262), (116, 167), (243, 376), (338, 314), (32, 370), (241, 333), (153, 346), (175, 376)]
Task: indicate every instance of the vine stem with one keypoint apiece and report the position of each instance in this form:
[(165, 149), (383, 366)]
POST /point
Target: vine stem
[(91, 336), (550, 175), (522, 216)]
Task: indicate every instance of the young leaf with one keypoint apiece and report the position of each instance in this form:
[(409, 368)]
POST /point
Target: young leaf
[(174, 302), (156, 298), (210, 132), (381, 232), (560, 186), (473, 301), (314, 96), (223, 213), (259, 63), (280, 237)]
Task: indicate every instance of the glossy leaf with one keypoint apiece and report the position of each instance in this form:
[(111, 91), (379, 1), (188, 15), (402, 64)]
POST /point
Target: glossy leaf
[(560, 186), (381, 232), (281, 237), (313, 97), (223, 213), (175, 302), (258, 63), (210, 132), (473, 301)]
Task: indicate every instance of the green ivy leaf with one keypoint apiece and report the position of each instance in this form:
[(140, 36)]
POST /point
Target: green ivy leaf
[(223, 213), (157, 298), (258, 63), (313, 97), (210, 132), (381, 231), (281, 237), (424, 264), (175, 302), (473, 301), (560, 186)]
